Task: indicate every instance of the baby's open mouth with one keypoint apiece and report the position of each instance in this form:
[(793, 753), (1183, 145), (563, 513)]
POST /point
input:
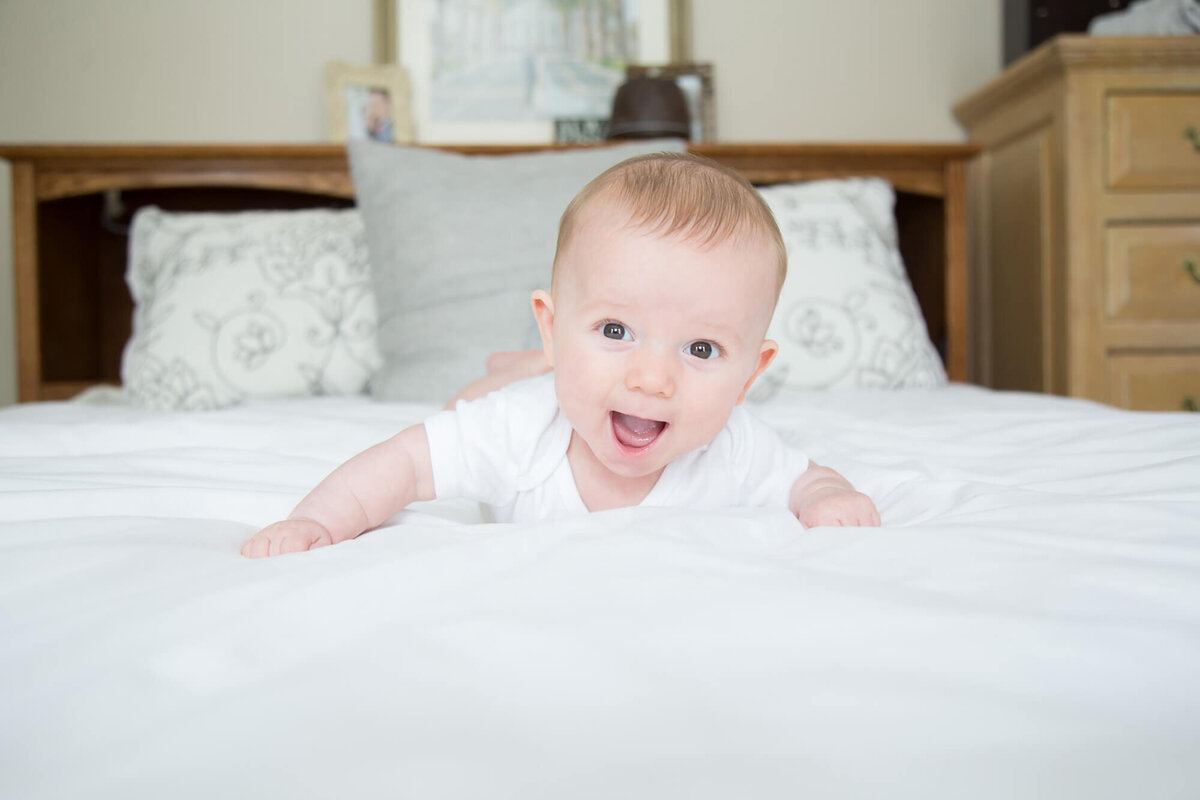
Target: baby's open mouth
[(634, 431)]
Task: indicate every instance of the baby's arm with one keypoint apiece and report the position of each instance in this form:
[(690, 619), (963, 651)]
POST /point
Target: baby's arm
[(356, 497), (823, 497)]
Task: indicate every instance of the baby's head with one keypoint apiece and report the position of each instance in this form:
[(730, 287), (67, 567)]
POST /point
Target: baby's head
[(666, 275), (678, 195)]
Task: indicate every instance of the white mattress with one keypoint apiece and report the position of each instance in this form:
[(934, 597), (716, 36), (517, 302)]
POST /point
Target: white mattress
[(1026, 623)]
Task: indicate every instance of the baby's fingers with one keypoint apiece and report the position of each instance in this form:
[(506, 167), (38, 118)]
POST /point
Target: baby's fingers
[(257, 547), (297, 543), (864, 515), (868, 514), (289, 536), (857, 511)]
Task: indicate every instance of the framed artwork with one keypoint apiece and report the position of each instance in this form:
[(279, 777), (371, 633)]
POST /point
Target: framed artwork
[(368, 103), (580, 130), (505, 72), (696, 82)]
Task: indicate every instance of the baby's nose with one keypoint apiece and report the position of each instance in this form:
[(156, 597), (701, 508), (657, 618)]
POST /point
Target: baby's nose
[(651, 374)]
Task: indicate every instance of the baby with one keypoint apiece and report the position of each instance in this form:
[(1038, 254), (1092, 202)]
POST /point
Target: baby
[(666, 275)]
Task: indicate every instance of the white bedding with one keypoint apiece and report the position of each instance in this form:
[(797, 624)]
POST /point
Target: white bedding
[(1026, 623)]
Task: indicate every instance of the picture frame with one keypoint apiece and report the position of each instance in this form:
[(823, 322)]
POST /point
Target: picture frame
[(373, 102), (584, 130), (695, 80), (470, 85)]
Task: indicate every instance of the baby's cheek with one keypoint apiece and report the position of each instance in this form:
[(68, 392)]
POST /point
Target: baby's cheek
[(573, 399), (709, 420)]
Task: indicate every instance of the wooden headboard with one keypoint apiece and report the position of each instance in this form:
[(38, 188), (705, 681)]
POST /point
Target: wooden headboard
[(71, 202)]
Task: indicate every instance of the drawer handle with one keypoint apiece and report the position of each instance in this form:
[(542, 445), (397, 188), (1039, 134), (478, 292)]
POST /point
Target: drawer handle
[(1192, 268), (1192, 135), (1189, 403)]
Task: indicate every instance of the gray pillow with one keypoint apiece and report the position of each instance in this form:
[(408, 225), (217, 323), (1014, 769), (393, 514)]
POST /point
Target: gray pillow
[(457, 244)]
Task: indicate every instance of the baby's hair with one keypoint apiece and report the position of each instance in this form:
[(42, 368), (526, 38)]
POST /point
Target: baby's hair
[(680, 194)]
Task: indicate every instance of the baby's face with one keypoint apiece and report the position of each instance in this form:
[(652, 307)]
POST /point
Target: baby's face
[(654, 340)]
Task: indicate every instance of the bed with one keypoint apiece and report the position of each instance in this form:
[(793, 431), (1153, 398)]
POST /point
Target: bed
[(1026, 622)]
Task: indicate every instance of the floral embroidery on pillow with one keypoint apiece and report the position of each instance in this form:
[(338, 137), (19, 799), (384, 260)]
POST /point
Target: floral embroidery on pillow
[(847, 316), (253, 304)]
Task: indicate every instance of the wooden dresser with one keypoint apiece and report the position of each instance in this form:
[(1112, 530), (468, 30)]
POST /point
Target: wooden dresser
[(1085, 219)]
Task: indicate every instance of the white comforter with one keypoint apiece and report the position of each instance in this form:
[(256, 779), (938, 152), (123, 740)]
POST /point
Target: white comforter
[(1026, 623)]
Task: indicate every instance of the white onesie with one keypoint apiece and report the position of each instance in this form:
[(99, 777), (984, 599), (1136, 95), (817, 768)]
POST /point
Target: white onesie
[(508, 450)]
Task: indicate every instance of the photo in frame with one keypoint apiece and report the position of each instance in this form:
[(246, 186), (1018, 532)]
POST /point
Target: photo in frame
[(696, 83), (368, 103), (504, 72), (580, 130)]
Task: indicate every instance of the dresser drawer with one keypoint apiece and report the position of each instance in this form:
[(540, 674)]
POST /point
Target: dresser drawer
[(1153, 273), (1153, 140), (1155, 381)]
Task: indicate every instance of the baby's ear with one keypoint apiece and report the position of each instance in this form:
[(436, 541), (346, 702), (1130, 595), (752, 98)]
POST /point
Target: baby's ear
[(543, 312), (766, 354)]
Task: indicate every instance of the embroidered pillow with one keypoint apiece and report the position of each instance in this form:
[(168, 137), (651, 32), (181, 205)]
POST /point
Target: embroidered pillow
[(847, 316), (253, 304)]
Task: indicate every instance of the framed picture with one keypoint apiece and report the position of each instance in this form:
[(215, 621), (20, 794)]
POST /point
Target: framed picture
[(696, 82), (504, 72), (580, 130), (368, 103)]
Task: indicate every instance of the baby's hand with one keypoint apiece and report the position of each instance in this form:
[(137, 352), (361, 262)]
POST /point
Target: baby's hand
[(288, 536), (836, 507)]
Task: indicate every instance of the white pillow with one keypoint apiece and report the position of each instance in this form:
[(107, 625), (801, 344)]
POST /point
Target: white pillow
[(252, 304), (847, 316)]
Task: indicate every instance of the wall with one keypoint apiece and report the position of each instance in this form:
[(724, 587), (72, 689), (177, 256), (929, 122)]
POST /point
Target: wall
[(871, 70), (250, 70), (163, 71)]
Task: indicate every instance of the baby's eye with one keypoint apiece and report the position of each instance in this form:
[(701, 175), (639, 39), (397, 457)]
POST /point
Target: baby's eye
[(615, 330), (703, 350)]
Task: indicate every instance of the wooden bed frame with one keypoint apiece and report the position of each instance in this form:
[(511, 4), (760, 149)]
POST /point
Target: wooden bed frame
[(71, 202)]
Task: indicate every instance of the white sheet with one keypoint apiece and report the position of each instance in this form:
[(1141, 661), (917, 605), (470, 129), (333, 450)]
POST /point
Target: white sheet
[(1027, 623)]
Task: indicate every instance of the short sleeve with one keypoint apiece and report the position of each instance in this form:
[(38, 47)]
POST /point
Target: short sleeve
[(766, 466), (747, 464), (491, 448)]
